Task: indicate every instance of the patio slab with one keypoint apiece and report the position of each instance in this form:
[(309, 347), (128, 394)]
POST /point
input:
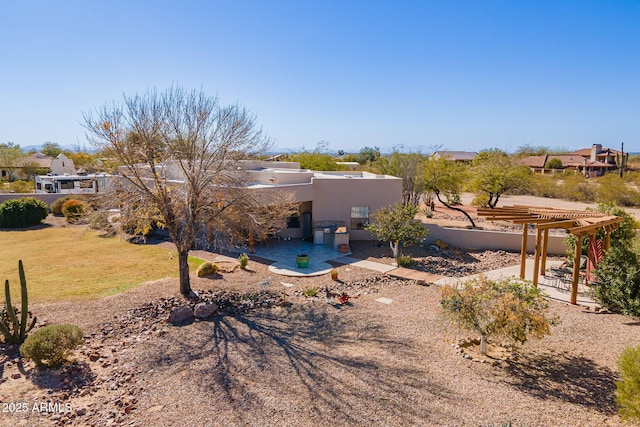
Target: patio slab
[(283, 253)]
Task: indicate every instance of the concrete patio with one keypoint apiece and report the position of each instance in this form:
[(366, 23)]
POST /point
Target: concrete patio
[(284, 252)]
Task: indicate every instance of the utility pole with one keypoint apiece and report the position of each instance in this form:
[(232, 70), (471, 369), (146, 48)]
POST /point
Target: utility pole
[(622, 162)]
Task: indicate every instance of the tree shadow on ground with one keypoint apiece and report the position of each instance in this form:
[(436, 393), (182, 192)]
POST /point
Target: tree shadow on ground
[(311, 352), (566, 377)]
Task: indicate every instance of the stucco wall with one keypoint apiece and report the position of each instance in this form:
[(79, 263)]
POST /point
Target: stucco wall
[(485, 239), (333, 199)]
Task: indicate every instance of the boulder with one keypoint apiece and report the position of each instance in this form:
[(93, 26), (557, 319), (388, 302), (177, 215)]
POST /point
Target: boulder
[(180, 315), (205, 310)]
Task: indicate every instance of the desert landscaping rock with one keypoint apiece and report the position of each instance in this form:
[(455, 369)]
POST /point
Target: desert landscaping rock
[(180, 315), (205, 310)]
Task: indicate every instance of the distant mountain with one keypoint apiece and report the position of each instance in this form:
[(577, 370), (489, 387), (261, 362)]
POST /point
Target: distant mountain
[(87, 148)]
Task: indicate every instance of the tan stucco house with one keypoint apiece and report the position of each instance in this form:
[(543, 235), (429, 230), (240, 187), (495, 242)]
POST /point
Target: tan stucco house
[(328, 200), (333, 205)]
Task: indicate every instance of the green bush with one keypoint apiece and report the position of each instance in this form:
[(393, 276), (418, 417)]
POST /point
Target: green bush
[(554, 163), (21, 186), (22, 212), (73, 210), (207, 269), (628, 389), (243, 259), (404, 261), (510, 308), (51, 345), (311, 292), (546, 186), (618, 280), (481, 200)]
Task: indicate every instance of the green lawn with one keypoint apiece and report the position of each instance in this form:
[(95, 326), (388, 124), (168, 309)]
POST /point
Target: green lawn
[(76, 263)]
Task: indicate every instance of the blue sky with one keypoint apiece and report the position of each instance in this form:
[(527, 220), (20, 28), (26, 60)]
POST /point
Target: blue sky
[(458, 75)]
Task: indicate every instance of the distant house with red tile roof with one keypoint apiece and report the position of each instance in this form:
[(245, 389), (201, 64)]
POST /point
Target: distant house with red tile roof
[(594, 161)]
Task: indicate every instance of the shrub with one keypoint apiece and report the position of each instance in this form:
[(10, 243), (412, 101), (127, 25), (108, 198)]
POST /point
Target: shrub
[(56, 206), (554, 163), (207, 269), (310, 292), (509, 308), (628, 389), (22, 212), (404, 261), (618, 280), (243, 259), (21, 186), (481, 200), (51, 345), (73, 210)]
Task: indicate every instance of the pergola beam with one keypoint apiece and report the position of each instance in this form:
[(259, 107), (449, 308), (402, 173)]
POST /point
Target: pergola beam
[(589, 229)]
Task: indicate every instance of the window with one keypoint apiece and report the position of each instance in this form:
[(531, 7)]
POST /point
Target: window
[(293, 221), (359, 217), (86, 183), (66, 185)]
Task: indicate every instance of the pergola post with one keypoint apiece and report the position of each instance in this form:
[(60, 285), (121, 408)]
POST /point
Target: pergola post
[(536, 263), (523, 251), (545, 244), (576, 271), (607, 239)]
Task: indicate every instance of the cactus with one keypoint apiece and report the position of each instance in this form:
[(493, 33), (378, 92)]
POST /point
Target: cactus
[(14, 330)]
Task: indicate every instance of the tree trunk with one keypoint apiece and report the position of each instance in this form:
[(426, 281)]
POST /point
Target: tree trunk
[(394, 248), (493, 200), (473, 224), (183, 262), (483, 344)]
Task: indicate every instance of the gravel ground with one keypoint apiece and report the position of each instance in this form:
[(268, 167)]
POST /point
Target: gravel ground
[(313, 363), (306, 362)]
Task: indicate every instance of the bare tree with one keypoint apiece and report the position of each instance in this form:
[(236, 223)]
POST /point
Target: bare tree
[(178, 149)]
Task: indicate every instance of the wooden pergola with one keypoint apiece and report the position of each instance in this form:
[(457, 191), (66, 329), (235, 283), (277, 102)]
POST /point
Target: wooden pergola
[(579, 223)]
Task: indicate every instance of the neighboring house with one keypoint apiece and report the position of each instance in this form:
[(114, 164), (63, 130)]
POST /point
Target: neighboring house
[(61, 165), (538, 163), (594, 161), (598, 160), (38, 164), (456, 156)]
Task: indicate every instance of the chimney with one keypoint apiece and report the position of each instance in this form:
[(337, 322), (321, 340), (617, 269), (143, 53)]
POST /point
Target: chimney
[(595, 149)]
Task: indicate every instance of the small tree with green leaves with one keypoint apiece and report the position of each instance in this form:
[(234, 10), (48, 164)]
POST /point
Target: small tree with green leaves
[(446, 178), (509, 308), (554, 163), (628, 388), (494, 173), (397, 224)]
